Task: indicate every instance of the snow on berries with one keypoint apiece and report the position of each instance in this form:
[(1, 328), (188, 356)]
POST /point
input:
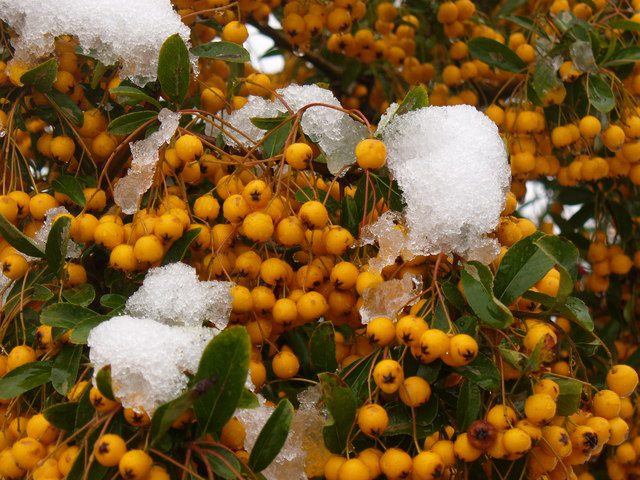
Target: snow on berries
[(452, 168)]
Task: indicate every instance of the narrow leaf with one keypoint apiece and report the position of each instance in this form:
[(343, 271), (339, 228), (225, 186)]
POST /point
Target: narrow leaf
[(173, 68), (600, 93), (126, 95), (271, 437), (42, 76), (18, 240), (179, 248), (477, 282), (57, 243), (495, 54), (130, 122), (68, 108), (64, 370), (225, 51), (71, 187), (322, 348), (24, 378)]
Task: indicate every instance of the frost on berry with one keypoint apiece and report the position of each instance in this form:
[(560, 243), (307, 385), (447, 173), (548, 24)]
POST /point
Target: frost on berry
[(387, 298), (149, 360), (334, 131), (112, 31), (304, 449), (392, 240), (173, 295), (452, 168), (73, 249), (129, 189)]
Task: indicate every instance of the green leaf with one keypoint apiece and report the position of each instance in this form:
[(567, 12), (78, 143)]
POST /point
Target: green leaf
[(268, 123), (85, 410), (341, 404), (42, 76), (71, 187), (173, 68), (18, 240), (130, 122), (223, 462), (81, 332), (103, 382), (271, 437), (469, 404), (65, 315), (178, 250), (322, 348), (113, 301), (569, 398), (495, 54), (168, 413), (401, 420), (64, 370), (224, 365), (545, 77), (81, 295), (57, 243), (527, 24), (248, 399), (24, 378), (357, 377), (275, 139), (61, 415), (98, 72), (349, 215), (482, 371), (477, 282), (625, 25), (417, 97), (623, 57), (225, 51), (41, 293), (600, 93), (389, 190), (126, 95), (521, 267), (573, 308), (565, 257), (68, 108)]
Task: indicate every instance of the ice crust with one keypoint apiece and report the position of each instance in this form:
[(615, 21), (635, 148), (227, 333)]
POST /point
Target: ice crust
[(124, 31), (335, 132), (148, 359), (161, 338), (451, 165), (129, 189), (73, 249), (391, 237), (386, 298), (173, 295), (304, 439)]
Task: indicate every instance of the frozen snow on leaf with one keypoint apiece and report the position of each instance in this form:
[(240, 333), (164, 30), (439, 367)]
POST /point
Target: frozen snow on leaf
[(149, 360), (334, 131), (451, 165), (128, 32), (386, 298), (129, 189), (174, 295), (386, 117), (304, 448), (73, 249), (390, 236), (245, 132)]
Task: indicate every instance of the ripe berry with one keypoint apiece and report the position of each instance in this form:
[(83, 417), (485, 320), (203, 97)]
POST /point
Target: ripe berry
[(372, 419), (388, 375), (135, 465), (482, 434), (371, 154), (109, 449)]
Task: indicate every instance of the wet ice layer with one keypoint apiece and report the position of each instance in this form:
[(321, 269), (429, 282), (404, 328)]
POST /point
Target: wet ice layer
[(452, 168), (128, 32)]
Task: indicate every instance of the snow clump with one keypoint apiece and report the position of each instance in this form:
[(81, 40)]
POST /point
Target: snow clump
[(130, 188), (148, 359), (173, 295), (124, 31), (451, 165)]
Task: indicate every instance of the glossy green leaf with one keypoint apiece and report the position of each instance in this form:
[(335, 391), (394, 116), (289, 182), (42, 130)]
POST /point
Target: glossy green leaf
[(57, 243), (113, 301), (71, 187), (495, 54), (568, 400), (168, 413), (401, 420), (623, 56), (629, 25), (24, 378), (130, 122), (417, 97), (322, 348), (127, 95), (174, 68), (178, 250), (268, 123), (477, 282), (545, 77), (349, 215), (600, 93), (223, 462), (65, 315), (306, 194), (224, 365), (67, 107), (42, 76), (81, 295), (275, 139), (341, 404), (272, 437), (225, 51), (81, 332), (64, 370), (103, 382), (248, 399), (521, 267), (61, 415), (482, 371), (565, 256), (18, 240), (469, 404)]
